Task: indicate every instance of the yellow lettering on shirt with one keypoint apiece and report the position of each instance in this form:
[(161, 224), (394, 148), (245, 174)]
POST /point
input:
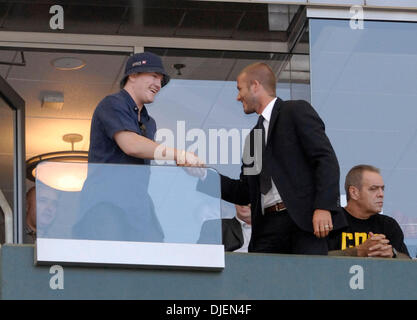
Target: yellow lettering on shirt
[(345, 237), (360, 237), (350, 240)]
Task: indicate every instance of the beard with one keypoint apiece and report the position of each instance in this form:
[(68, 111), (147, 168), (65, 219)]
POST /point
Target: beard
[(250, 105)]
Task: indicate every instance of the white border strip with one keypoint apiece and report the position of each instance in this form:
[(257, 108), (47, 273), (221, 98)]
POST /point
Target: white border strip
[(124, 253), (369, 14)]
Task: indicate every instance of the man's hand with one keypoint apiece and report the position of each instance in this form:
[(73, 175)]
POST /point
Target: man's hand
[(377, 245), (184, 158), (322, 223), (192, 165), (363, 249)]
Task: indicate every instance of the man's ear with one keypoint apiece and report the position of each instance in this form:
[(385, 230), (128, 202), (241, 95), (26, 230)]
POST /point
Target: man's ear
[(132, 77), (255, 84), (354, 192)]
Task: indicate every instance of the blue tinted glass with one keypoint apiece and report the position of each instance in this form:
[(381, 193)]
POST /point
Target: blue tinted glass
[(126, 203), (364, 85)]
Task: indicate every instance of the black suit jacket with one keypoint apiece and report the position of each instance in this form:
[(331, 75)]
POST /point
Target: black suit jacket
[(303, 166), (232, 235)]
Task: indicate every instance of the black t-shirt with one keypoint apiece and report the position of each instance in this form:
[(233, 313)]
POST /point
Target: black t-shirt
[(357, 232)]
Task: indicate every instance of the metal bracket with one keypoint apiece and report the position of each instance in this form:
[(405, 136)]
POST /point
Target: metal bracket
[(20, 64), (296, 28)]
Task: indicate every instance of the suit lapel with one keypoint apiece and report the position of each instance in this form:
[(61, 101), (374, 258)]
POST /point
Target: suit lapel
[(274, 116), (237, 230)]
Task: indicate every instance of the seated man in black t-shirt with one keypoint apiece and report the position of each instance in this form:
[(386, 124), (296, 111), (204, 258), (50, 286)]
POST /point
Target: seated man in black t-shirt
[(369, 233)]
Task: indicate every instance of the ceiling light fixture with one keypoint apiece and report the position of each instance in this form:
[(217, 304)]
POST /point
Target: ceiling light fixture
[(179, 66), (66, 177), (68, 63)]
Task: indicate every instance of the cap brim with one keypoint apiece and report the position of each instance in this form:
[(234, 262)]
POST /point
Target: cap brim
[(166, 78)]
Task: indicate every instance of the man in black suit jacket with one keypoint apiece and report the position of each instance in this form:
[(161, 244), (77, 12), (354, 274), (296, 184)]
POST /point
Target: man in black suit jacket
[(235, 232), (295, 195)]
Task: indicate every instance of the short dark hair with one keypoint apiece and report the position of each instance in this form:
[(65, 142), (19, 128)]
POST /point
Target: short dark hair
[(354, 177), (263, 73)]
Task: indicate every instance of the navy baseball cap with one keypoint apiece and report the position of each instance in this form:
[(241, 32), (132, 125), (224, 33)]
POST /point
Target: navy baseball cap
[(144, 62)]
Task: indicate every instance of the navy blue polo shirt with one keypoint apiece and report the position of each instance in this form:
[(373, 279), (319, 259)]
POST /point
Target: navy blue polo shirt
[(117, 112)]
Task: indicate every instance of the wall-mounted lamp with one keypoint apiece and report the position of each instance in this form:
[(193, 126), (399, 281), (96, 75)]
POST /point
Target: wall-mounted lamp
[(68, 177)]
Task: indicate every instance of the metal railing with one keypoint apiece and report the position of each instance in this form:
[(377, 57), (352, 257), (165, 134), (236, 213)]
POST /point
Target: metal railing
[(8, 218)]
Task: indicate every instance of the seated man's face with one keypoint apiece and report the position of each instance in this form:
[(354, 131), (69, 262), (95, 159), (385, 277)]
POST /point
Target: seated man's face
[(46, 207), (243, 212), (371, 195)]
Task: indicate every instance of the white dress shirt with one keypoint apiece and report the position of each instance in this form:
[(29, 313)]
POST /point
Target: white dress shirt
[(273, 195), (247, 232)]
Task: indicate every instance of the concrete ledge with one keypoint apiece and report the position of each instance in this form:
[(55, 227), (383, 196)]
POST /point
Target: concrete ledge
[(246, 276)]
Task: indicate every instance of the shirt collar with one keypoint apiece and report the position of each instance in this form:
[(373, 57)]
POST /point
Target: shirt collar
[(268, 110), (132, 105), (144, 113), (243, 223), (28, 231), (128, 98)]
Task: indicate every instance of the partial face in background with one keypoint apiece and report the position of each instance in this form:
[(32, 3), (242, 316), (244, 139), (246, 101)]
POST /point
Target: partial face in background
[(31, 206), (46, 207), (243, 212)]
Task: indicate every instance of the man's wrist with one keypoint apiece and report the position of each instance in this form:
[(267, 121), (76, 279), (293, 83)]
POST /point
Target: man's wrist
[(361, 252), (351, 252), (394, 252)]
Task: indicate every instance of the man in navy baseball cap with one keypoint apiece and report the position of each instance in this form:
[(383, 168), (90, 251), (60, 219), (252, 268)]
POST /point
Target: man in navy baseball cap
[(122, 130), (144, 62)]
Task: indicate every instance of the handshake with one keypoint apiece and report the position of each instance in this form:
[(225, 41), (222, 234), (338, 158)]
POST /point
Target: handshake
[(182, 158), (188, 159), (192, 164)]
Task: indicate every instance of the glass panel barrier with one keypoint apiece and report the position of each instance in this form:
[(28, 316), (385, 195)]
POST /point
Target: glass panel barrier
[(364, 87), (139, 203)]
